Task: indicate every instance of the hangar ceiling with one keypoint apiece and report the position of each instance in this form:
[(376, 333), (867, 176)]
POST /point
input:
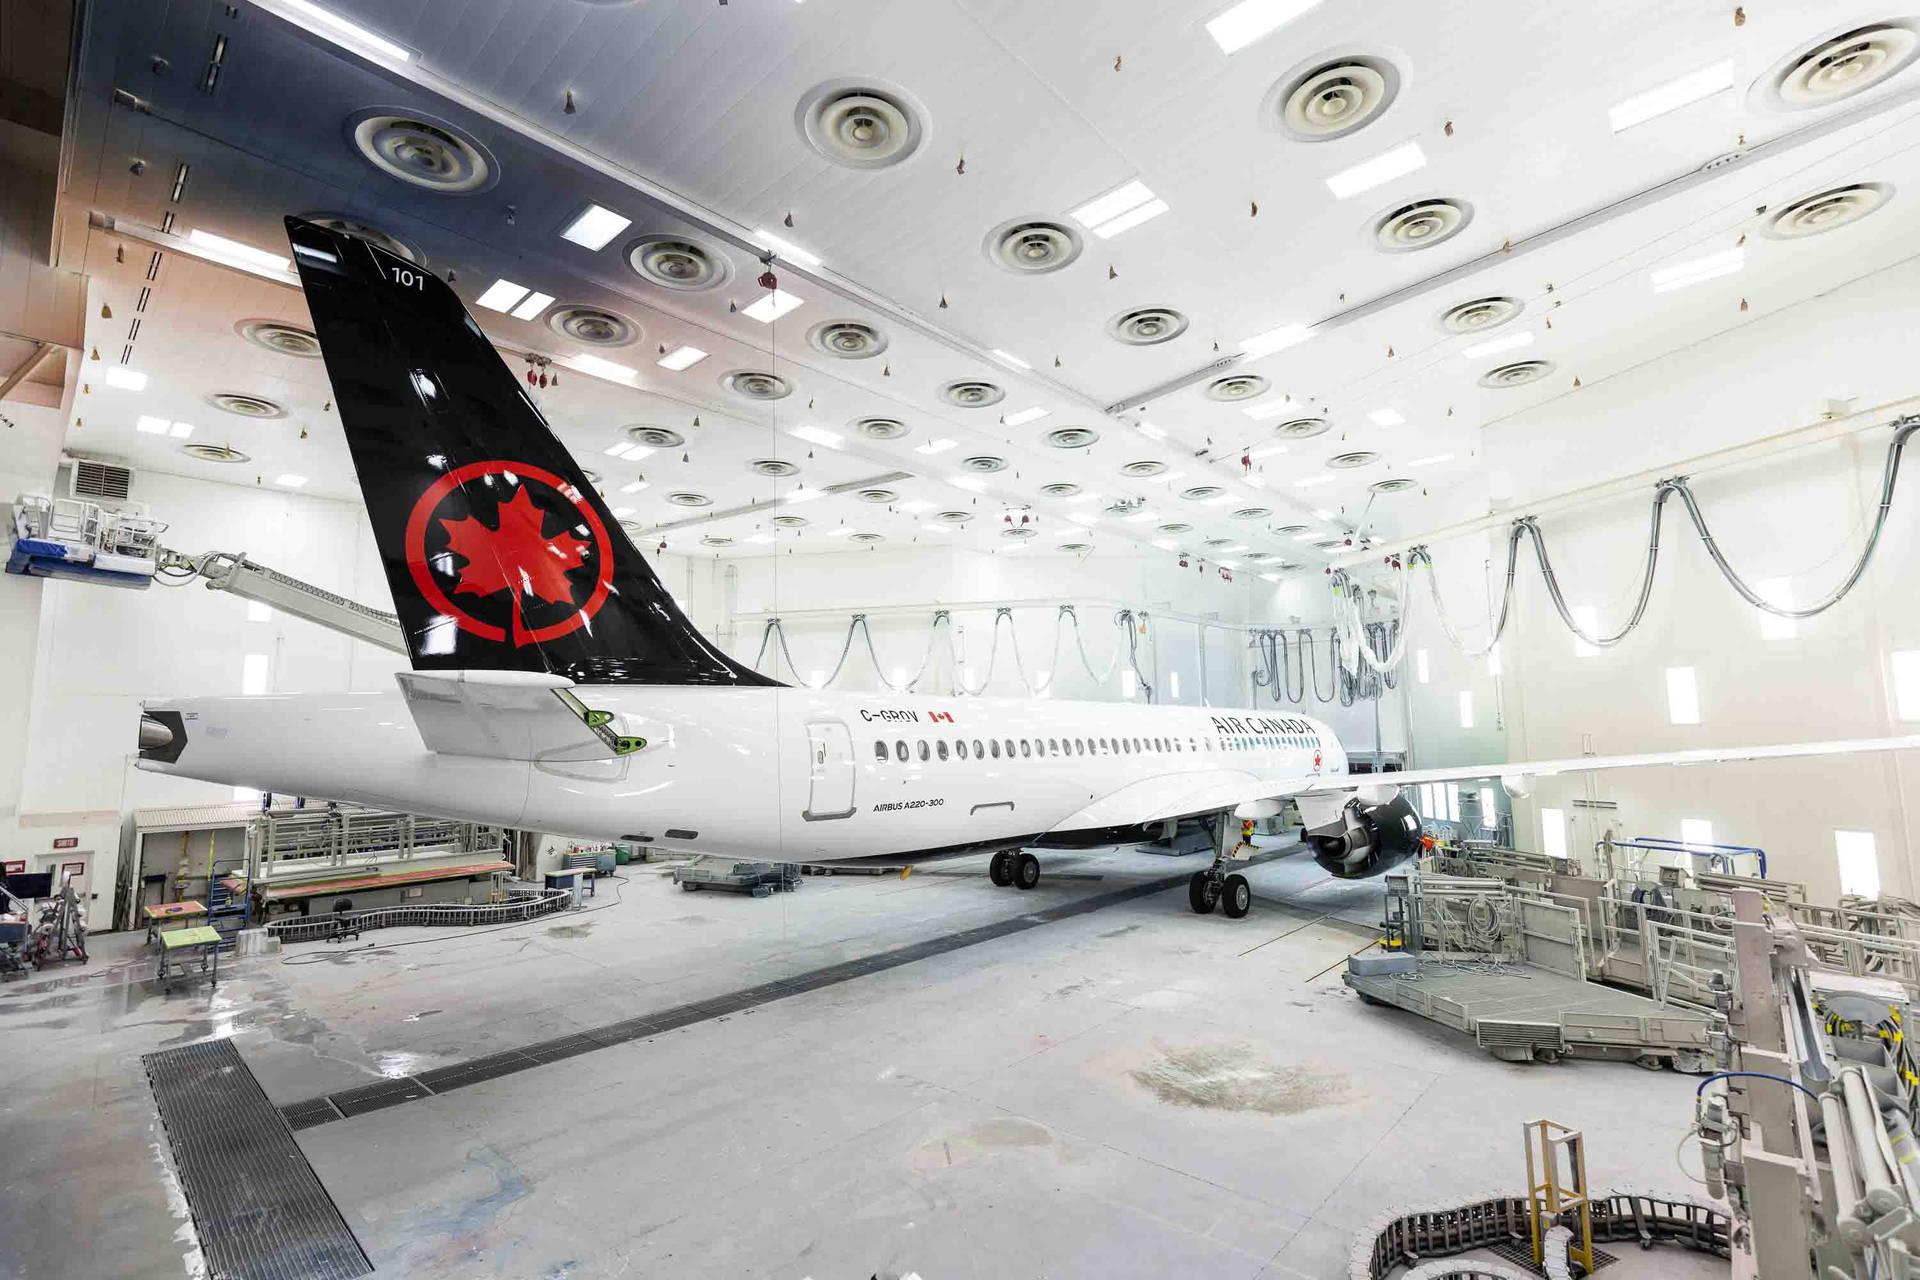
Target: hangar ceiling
[(916, 171)]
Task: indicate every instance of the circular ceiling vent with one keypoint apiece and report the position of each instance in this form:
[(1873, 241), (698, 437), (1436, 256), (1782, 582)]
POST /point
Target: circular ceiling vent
[(757, 384), (634, 530), (1032, 246), (1201, 492), (593, 326), (1147, 326), (1060, 489), (847, 339), (1302, 428), (1076, 547), (881, 428), (1253, 513), (347, 224), (656, 437), (866, 537), (214, 453), (675, 262), (789, 522), (1218, 543), (1236, 387), (772, 467), (1331, 97), (861, 124), (1826, 210), (1356, 458), (1124, 506), (1144, 468), (686, 498), (954, 517), (1838, 66), (1019, 532), (421, 152), (1291, 528), (1072, 437), (284, 339), (1479, 314), (971, 393), (983, 462), (1399, 484), (716, 540), (877, 495), (1420, 225), (1175, 526), (245, 405), (1329, 544), (1518, 374)]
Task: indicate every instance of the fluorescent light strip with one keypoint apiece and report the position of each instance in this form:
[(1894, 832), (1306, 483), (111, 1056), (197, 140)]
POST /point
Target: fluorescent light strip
[(290, 481), (635, 487), (1711, 267), (932, 447), (1131, 219), (1150, 431), (1512, 342), (152, 426), (681, 359), (1025, 416), (1113, 204), (1311, 481), (1398, 163), (126, 379), (599, 368), (531, 308), (968, 483), (1239, 26), (1278, 339), (594, 227), (324, 22), (1012, 359), (619, 449), (1386, 418), (1432, 460), (772, 306), (502, 295), (1273, 409), (1267, 451), (181, 430), (1671, 96), (816, 435), (240, 254)]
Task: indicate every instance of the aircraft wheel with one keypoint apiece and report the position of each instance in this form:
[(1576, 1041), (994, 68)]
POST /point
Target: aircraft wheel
[(998, 871), (1202, 892), (1026, 870), (1238, 898), (688, 885)]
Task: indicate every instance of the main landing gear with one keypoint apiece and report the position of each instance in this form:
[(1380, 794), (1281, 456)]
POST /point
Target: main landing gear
[(1216, 886), (1014, 866)]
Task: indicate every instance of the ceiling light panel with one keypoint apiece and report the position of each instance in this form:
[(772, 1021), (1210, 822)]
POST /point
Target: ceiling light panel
[(531, 307), (818, 435), (502, 295), (1025, 416), (770, 308), (1382, 169), (933, 447), (126, 379), (1386, 418), (329, 24), (1711, 267), (594, 227), (1278, 339), (1241, 24), (785, 249), (1119, 210), (152, 426), (599, 368), (1512, 342), (233, 251), (681, 358), (1671, 96)]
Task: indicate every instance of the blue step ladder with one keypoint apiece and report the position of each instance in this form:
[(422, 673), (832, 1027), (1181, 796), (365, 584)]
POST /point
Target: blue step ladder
[(227, 912)]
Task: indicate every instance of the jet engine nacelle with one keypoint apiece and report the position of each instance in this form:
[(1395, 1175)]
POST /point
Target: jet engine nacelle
[(1369, 836)]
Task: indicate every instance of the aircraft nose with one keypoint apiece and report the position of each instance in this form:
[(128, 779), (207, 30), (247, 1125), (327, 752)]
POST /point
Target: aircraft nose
[(154, 734)]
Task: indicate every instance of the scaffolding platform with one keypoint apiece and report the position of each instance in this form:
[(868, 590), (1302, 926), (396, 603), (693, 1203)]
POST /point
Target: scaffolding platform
[(1522, 1012)]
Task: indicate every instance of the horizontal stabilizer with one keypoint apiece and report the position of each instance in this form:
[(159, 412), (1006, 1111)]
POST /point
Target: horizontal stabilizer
[(509, 715)]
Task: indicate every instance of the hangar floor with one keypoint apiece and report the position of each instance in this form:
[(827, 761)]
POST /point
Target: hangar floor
[(1132, 1090)]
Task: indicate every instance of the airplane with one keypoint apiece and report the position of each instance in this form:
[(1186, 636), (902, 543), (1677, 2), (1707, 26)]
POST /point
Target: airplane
[(556, 685)]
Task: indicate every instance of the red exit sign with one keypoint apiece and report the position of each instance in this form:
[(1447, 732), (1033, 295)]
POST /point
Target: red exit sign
[(66, 842)]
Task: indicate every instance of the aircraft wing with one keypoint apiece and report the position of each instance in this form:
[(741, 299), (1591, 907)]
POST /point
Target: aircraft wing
[(1181, 795)]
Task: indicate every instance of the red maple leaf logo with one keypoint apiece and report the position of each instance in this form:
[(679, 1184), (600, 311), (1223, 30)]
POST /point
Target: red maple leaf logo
[(515, 554)]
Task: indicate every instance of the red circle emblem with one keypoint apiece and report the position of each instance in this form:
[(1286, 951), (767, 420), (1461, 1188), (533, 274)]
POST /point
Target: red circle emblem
[(514, 555)]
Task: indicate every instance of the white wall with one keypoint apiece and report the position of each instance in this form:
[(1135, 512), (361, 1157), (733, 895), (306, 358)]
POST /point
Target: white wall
[(1802, 516)]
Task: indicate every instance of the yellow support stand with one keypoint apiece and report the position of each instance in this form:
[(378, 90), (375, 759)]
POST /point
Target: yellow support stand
[(1554, 1188)]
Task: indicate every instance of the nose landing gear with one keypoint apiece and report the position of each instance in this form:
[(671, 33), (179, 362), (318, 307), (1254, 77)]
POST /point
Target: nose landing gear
[(1015, 867)]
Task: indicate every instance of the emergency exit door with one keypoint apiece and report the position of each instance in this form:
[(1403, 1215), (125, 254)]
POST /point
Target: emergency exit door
[(829, 771)]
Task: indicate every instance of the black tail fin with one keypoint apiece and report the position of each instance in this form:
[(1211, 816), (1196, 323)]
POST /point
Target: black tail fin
[(499, 552)]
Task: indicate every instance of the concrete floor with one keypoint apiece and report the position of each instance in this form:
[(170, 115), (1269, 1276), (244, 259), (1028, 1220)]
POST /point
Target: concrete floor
[(1137, 1091)]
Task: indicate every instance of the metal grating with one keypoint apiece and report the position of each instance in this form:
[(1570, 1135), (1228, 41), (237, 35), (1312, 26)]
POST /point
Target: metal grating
[(1521, 1251), (304, 1115), (373, 1097), (259, 1210)]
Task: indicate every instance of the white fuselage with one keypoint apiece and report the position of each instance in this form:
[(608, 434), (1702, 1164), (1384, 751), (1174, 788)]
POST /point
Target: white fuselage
[(780, 773)]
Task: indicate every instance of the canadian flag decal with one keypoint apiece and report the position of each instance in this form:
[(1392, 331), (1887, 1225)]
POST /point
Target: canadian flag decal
[(940, 717)]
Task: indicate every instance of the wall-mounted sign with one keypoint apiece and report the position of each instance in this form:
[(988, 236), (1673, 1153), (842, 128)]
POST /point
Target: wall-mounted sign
[(66, 842), (17, 868)]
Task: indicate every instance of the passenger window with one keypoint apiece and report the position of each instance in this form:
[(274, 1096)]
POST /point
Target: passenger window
[(979, 752), (995, 744), (940, 748), (1080, 746), (1053, 746), (900, 750), (1026, 748), (879, 750), (923, 748), (1126, 745), (1009, 748), (960, 748)]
